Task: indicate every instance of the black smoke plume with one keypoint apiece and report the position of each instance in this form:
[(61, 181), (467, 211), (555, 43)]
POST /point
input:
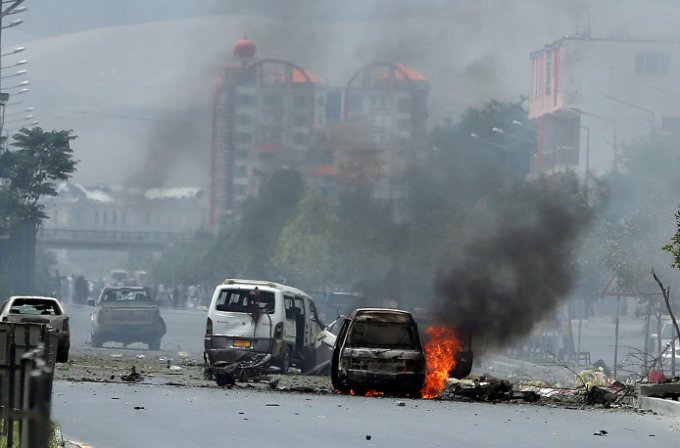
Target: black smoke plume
[(519, 265)]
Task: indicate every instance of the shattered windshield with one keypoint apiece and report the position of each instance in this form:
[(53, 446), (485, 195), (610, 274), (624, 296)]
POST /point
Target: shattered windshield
[(126, 295), (372, 335), (35, 307)]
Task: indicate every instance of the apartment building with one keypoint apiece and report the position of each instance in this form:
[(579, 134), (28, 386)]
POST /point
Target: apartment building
[(590, 95)]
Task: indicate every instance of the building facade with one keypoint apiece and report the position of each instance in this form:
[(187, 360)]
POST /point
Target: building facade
[(272, 113), (81, 208), (591, 95)]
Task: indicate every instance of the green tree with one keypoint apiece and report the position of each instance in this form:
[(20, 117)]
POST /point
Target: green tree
[(637, 210), (304, 252), (31, 171), (674, 246), (256, 236)]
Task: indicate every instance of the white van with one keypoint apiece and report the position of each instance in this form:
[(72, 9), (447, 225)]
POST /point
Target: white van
[(251, 322)]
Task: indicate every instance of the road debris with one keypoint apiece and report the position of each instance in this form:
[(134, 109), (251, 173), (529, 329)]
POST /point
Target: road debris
[(601, 432), (133, 376)]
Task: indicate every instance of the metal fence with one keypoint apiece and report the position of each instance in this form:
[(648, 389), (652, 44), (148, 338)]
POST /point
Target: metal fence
[(27, 356)]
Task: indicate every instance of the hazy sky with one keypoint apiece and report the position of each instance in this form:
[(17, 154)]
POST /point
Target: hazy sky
[(134, 78)]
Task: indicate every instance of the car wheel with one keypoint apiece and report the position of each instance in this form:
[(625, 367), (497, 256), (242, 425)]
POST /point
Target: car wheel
[(224, 379), (284, 362), (155, 344), (415, 393), (310, 360), (97, 342), (62, 355)]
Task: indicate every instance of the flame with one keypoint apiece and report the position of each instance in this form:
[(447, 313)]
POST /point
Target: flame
[(440, 358), (368, 393)]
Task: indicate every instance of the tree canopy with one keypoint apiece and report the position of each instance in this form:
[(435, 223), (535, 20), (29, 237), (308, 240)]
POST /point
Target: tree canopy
[(40, 159)]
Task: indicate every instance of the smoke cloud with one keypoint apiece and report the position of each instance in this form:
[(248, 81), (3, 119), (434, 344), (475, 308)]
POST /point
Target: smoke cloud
[(518, 267)]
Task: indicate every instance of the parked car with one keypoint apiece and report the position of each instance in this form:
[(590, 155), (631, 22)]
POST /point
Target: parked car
[(378, 349), (126, 314), (255, 323), (40, 310), (670, 345)]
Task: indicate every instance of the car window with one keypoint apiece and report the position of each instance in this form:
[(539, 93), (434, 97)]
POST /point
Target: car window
[(245, 301), (126, 295), (371, 335), (35, 307)]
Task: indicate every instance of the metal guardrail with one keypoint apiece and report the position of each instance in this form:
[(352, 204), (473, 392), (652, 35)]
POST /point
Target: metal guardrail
[(27, 356), (116, 235), (109, 239)]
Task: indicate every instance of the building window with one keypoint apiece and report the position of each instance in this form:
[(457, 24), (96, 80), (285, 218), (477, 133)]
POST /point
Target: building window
[(267, 156), (670, 124), (244, 137), (548, 73), (404, 124), (404, 105), (301, 102), (244, 120), (300, 120), (652, 63), (301, 139), (241, 153), (273, 101), (245, 100)]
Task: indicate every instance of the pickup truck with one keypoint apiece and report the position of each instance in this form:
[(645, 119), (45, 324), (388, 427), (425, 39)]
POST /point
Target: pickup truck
[(126, 314)]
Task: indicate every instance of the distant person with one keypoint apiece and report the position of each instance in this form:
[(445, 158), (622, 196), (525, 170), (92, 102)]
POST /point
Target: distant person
[(80, 290)]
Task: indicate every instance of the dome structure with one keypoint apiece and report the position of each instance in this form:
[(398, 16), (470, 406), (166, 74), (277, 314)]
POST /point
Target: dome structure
[(245, 49)]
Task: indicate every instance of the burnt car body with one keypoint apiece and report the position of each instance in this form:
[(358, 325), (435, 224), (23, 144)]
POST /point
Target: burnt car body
[(126, 314), (40, 310), (378, 349)]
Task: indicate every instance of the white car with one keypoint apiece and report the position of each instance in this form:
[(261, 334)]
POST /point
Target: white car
[(252, 322), (40, 310)]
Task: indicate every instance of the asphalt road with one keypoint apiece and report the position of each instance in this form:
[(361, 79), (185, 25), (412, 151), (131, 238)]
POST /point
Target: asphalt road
[(117, 415), (185, 330)]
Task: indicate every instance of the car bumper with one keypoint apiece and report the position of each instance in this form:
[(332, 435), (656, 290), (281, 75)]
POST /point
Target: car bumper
[(223, 349), (383, 381)]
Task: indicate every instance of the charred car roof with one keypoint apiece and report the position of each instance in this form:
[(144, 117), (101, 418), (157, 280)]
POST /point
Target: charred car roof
[(382, 315)]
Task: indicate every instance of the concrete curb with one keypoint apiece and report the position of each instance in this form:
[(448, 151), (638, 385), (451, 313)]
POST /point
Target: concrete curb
[(660, 405)]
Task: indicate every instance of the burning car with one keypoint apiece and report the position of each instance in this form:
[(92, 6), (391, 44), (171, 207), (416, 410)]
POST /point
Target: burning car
[(378, 349)]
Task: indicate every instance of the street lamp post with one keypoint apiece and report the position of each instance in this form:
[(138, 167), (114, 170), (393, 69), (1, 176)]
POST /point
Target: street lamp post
[(7, 8), (503, 152), (613, 123), (587, 158)]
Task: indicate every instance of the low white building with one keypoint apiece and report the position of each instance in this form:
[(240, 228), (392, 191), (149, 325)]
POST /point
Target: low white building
[(589, 96)]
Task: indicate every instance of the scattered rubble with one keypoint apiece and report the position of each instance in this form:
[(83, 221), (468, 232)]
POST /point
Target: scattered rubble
[(184, 372), (133, 376)]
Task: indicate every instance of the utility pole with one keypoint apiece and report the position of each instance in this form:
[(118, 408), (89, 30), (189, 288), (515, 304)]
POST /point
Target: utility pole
[(4, 96)]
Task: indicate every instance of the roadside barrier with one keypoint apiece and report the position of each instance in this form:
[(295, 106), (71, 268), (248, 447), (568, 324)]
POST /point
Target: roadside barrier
[(27, 356)]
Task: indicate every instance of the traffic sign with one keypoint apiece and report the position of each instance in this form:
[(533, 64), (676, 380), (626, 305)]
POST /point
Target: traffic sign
[(612, 288)]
